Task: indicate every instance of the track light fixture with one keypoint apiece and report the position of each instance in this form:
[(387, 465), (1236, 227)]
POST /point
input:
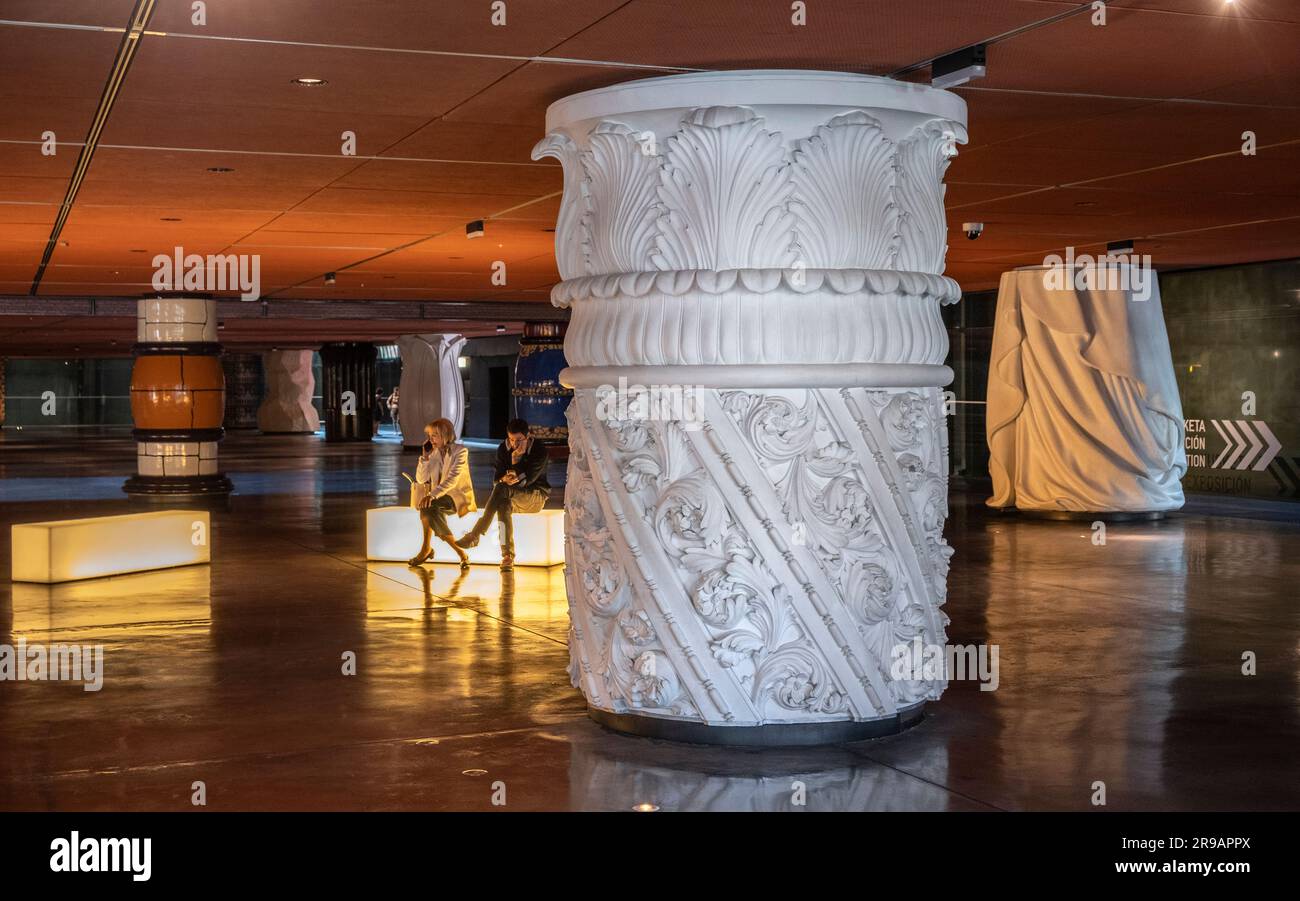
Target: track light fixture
[(959, 67)]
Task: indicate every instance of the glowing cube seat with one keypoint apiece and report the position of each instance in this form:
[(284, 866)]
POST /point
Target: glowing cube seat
[(393, 533), (68, 549)]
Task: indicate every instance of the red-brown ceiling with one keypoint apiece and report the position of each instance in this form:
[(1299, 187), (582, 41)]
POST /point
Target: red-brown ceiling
[(1079, 134)]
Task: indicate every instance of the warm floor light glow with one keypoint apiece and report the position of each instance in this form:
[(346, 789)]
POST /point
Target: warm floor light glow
[(534, 594), (69, 549), (175, 594), (393, 533)]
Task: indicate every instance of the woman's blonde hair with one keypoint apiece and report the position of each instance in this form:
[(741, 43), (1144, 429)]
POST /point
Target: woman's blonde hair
[(445, 430)]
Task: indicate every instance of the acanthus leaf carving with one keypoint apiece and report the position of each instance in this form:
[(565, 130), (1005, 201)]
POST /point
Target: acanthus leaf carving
[(568, 250), (843, 194), (622, 206), (724, 190), (922, 160)]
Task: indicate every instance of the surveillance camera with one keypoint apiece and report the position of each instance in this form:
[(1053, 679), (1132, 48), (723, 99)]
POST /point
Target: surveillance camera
[(973, 229)]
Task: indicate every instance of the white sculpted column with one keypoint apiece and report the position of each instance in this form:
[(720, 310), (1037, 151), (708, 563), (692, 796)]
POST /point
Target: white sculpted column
[(1084, 416), (758, 464), (431, 387), (287, 406)]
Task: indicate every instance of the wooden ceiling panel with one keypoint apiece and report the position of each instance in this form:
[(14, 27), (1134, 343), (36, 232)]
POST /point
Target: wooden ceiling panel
[(455, 26), (1143, 53), (526, 180), (840, 34), (242, 76), (496, 142), (37, 71), (431, 204)]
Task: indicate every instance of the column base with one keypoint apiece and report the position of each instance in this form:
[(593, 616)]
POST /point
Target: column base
[(773, 735), (155, 489)]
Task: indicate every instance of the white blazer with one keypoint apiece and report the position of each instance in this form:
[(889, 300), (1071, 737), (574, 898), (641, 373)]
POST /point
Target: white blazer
[(445, 472)]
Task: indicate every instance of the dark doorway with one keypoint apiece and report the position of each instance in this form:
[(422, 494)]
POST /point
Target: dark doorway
[(498, 400)]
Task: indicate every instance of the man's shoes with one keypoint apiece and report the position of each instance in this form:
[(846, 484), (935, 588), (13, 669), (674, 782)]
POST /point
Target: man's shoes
[(468, 540), (507, 562)]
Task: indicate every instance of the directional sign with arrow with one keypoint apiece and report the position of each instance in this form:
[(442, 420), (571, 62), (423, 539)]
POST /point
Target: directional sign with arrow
[(1244, 439)]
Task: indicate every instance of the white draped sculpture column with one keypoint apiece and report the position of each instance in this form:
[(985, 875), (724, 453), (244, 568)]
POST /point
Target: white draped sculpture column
[(768, 245), (287, 406), (1083, 409), (431, 386)]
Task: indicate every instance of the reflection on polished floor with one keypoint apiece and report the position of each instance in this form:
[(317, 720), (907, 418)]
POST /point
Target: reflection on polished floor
[(1119, 663)]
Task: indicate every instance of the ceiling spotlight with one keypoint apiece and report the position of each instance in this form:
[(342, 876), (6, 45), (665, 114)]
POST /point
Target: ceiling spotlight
[(501, 329), (330, 278), (462, 362), (309, 82), (958, 68), (474, 229), (220, 169)]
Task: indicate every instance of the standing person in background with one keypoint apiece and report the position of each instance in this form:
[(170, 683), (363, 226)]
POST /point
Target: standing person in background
[(392, 410), (377, 409), (519, 486), (442, 486)]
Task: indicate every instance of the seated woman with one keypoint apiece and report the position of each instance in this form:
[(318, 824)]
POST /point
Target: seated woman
[(519, 486), (442, 486)]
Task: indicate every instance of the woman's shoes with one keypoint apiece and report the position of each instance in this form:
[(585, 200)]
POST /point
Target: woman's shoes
[(507, 562), (418, 559), (464, 564)]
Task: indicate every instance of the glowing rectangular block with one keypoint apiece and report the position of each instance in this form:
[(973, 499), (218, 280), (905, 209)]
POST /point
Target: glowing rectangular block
[(393, 533), (69, 549)]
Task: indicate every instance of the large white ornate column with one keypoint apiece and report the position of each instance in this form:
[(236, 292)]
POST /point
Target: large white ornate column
[(431, 386), (765, 248)]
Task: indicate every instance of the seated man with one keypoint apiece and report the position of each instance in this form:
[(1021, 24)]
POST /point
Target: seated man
[(519, 486)]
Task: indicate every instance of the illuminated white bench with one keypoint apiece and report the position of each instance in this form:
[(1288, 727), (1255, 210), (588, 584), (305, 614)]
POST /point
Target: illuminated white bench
[(70, 549), (393, 533)]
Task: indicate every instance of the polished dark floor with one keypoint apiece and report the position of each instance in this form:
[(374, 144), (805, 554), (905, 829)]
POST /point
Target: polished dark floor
[(1119, 664)]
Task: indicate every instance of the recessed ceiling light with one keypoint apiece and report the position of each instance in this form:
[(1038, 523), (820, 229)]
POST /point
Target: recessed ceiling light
[(309, 82), (220, 169), (1085, 203), (330, 278), (501, 329), (170, 219), (139, 251)]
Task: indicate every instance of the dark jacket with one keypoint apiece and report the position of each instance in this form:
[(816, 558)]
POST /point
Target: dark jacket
[(531, 469)]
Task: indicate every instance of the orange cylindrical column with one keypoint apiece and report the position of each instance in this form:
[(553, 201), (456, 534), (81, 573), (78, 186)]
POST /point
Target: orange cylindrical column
[(178, 393)]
